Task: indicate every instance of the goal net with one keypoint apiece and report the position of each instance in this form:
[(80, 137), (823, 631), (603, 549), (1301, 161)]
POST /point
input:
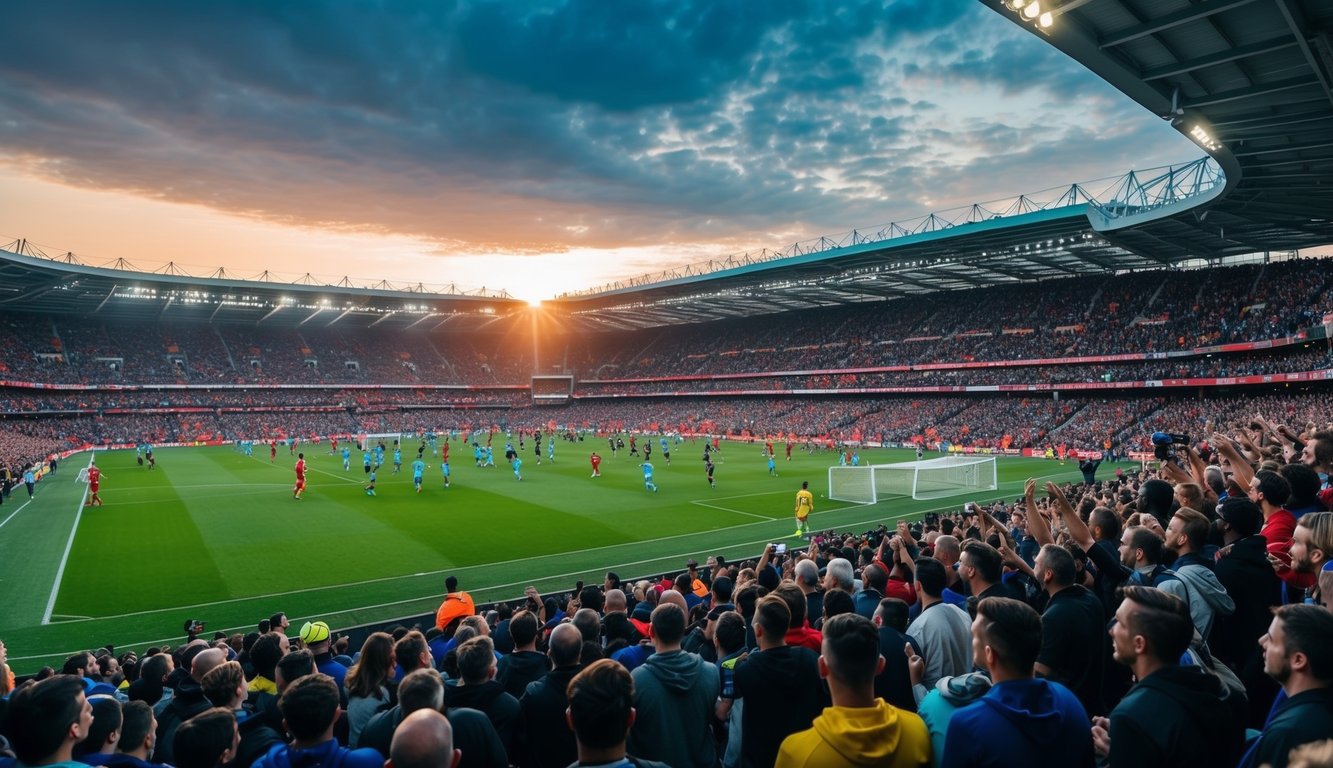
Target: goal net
[(928, 479)]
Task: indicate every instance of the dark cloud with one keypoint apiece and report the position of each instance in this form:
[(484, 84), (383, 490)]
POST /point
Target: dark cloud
[(537, 126)]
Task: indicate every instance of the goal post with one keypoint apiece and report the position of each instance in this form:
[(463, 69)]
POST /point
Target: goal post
[(928, 479)]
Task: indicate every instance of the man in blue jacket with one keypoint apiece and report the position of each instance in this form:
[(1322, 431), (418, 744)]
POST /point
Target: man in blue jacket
[(310, 709), (1023, 719)]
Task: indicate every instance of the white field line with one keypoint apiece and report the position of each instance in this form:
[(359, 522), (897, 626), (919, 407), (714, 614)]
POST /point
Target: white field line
[(703, 503), (732, 511), (64, 559), (194, 487), (309, 468), (15, 512)]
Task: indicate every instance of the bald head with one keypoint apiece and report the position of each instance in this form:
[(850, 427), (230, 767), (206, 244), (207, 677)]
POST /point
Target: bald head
[(615, 601), (947, 549), (674, 598), (206, 661), (566, 645), (423, 740)]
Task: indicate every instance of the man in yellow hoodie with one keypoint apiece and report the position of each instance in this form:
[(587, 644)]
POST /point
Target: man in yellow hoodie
[(859, 729)]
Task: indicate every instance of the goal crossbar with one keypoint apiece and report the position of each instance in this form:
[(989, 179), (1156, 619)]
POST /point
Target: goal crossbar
[(926, 479)]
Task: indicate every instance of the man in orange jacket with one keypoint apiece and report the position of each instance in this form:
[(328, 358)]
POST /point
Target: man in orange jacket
[(456, 604)]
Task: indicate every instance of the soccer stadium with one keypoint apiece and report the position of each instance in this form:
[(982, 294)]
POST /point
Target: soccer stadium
[(1105, 403)]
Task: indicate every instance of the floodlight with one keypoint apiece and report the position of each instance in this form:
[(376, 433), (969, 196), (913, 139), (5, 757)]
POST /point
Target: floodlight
[(1045, 19), (1032, 10), (1017, 4)]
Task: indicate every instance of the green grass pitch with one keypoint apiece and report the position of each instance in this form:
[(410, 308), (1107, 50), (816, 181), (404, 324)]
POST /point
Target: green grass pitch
[(214, 535)]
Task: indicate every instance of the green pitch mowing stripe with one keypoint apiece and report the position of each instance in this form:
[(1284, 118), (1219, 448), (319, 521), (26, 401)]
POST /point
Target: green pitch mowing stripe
[(143, 547), (215, 535)]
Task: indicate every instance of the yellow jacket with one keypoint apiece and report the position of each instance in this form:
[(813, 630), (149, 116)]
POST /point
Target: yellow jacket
[(851, 737)]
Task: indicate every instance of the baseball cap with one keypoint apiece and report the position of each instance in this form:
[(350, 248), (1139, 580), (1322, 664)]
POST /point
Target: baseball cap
[(313, 632), (963, 689), (691, 563)]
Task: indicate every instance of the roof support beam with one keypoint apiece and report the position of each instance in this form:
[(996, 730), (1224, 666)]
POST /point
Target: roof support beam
[(1263, 89), (1220, 57), (271, 313), (1162, 23), (112, 292), (1297, 23), (1288, 148), (1269, 120)]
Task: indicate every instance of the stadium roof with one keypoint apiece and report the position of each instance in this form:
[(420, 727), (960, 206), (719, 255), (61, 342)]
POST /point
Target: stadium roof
[(1247, 80), (34, 282)]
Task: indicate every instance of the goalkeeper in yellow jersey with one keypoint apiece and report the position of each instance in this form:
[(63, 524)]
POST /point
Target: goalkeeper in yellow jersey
[(805, 504)]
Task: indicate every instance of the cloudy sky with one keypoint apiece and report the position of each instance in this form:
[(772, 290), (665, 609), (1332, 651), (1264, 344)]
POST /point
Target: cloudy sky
[(529, 145)]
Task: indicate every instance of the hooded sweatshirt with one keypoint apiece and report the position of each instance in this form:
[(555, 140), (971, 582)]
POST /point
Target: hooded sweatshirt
[(1208, 599), (1020, 722), (882, 735), (674, 693), (325, 755), (1174, 717)]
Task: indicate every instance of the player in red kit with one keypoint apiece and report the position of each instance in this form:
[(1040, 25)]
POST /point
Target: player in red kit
[(272, 451), (596, 464), (94, 484), (300, 476)]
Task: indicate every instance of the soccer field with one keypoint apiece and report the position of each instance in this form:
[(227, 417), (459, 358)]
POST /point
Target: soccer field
[(215, 535)]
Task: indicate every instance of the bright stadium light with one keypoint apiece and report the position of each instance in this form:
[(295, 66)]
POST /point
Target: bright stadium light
[(1017, 4), (1032, 10), (1045, 20)]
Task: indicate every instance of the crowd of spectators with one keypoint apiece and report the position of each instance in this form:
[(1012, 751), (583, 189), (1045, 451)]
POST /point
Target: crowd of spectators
[(1312, 358), (70, 350), (1146, 619), (1136, 313)]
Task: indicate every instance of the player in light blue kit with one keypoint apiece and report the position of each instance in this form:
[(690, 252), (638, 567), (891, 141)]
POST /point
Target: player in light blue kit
[(666, 450), (444, 470), (418, 468), (648, 483), (490, 457), (397, 459), (772, 466), (365, 460), (550, 449), (518, 466), (347, 458)]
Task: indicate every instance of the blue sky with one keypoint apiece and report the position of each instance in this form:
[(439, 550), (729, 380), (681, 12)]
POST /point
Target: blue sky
[(530, 145)]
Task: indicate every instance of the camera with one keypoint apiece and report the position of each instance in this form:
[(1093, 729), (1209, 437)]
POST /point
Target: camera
[(780, 548), (1164, 444)]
